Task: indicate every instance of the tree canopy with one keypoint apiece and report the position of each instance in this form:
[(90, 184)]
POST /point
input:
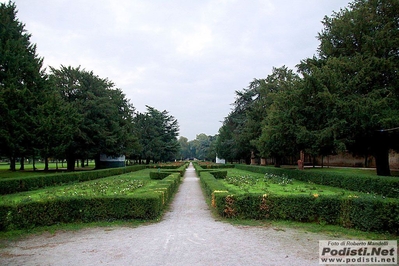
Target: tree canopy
[(157, 133), (69, 113), (345, 98), (104, 116), (22, 86)]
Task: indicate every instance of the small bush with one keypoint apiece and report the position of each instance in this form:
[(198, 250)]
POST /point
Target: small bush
[(219, 174), (159, 175)]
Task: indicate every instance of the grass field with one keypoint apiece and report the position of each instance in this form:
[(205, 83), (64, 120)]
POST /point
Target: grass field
[(114, 185), (240, 181), (143, 175), (6, 173)]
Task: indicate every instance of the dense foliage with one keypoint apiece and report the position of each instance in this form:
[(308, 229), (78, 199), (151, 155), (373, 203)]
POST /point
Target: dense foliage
[(345, 98), (70, 113), (22, 87), (201, 148)]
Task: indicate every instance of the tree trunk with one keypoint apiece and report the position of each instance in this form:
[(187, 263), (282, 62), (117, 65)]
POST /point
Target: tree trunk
[(97, 164), (381, 155), (82, 163), (12, 164), (277, 162), (45, 163), (70, 163), (22, 163), (382, 162), (34, 162)]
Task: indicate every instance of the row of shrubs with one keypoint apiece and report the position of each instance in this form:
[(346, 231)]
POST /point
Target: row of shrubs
[(175, 165), (363, 213), (146, 203), (217, 174), (20, 184), (161, 173), (384, 186), (208, 165), (366, 213)]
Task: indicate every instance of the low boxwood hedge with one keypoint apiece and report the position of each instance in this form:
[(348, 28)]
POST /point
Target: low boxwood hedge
[(162, 173), (158, 175), (147, 203), (218, 174), (210, 184), (82, 209), (166, 169), (367, 213), (363, 213)]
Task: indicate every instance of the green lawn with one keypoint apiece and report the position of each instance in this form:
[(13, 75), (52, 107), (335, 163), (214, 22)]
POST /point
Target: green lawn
[(240, 181), (124, 184), (6, 173)]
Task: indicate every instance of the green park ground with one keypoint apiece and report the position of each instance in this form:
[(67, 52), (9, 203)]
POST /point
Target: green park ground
[(238, 182)]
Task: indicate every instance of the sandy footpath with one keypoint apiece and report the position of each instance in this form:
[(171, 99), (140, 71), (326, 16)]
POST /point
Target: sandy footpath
[(187, 235)]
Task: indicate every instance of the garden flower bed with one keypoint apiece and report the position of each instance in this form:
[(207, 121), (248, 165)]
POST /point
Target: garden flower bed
[(128, 196), (255, 195)]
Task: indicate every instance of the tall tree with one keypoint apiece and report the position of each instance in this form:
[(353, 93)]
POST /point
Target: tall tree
[(202, 145), (225, 144), (357, 66), (278, 98), (235, 135), (184, 148), (58, 122), (158, 133), (22, 81), (106, 116)]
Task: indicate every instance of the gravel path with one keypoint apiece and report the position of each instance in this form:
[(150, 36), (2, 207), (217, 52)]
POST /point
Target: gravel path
[(187, 235)]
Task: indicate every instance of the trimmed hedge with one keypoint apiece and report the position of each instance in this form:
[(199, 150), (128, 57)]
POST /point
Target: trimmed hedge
[(203, 165), (219, 174), (147, 203), (20, 184), (165, 170), (210, 184), (176, 165), (365, 213), (158, 175), (385, 186), (67, 210)]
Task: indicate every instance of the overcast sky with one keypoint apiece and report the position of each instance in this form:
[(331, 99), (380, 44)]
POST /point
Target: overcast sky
[(184, 56)]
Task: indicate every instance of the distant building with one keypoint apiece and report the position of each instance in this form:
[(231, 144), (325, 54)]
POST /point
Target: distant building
[(112, 161), (222, 161)]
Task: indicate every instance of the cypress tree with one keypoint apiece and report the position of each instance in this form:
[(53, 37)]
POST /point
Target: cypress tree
[(22, 80)]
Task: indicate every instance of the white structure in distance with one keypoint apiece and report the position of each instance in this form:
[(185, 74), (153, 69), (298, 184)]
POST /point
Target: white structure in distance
[(222, 161)]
